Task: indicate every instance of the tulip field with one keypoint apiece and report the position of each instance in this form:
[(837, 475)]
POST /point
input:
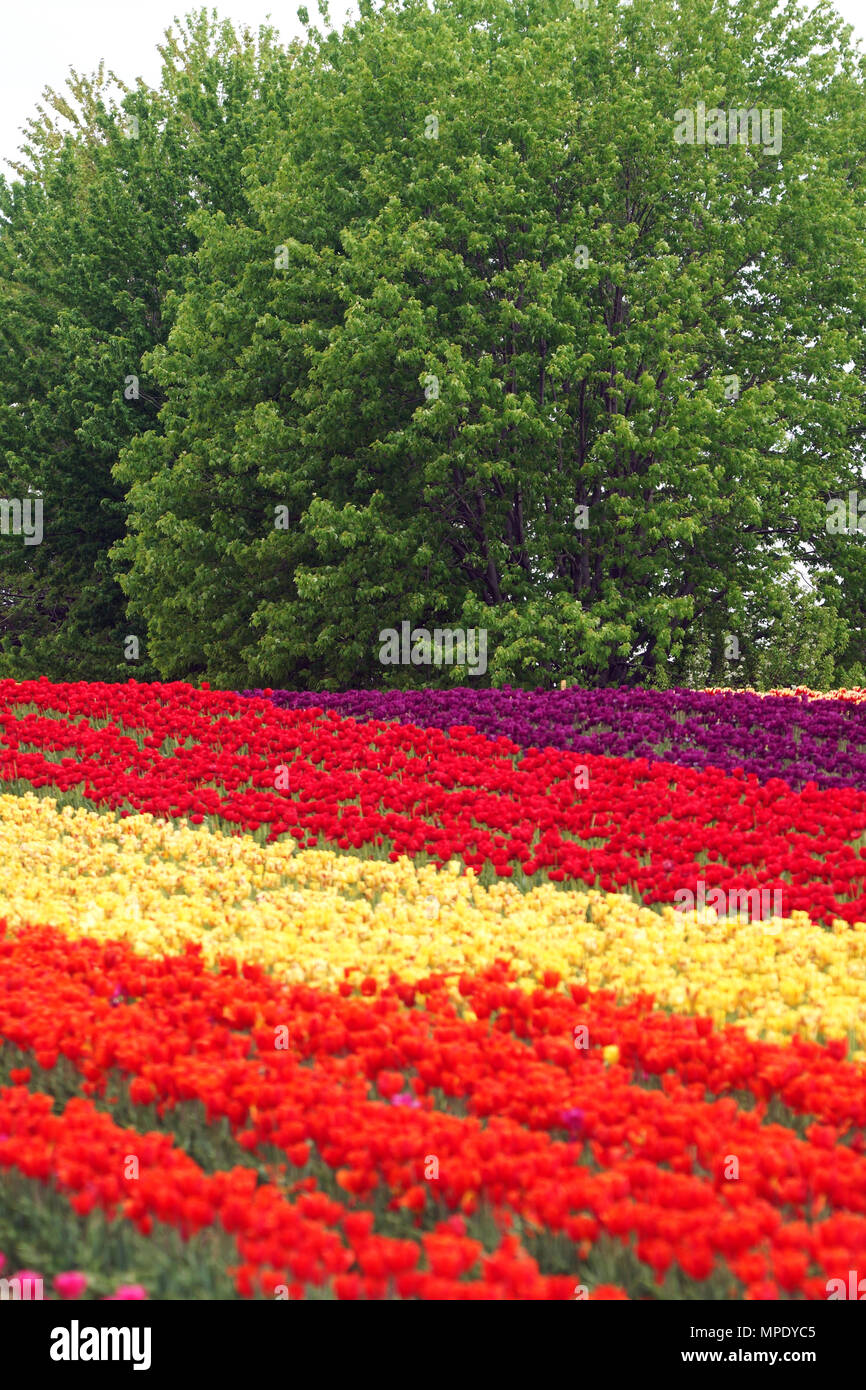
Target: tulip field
[(394, 995)]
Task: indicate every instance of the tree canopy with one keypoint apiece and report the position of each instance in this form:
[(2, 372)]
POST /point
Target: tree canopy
[(435, 319)]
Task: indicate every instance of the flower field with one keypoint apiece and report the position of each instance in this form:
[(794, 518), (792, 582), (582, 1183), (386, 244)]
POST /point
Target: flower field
[(396, 995)]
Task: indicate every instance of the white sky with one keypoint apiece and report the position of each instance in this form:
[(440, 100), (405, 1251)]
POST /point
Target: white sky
[(42, 39)]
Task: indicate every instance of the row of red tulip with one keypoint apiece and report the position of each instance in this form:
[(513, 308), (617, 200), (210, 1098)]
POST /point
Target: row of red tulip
[(617, 823), (565, 1136), (284, 1246)]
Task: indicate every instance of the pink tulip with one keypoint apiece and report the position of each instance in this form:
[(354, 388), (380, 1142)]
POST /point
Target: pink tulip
[(130, 1291), (71, 1284)]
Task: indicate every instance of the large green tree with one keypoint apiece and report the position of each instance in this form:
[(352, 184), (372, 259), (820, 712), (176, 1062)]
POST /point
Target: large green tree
[(94, 231), (439, 319), (507, 354)]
